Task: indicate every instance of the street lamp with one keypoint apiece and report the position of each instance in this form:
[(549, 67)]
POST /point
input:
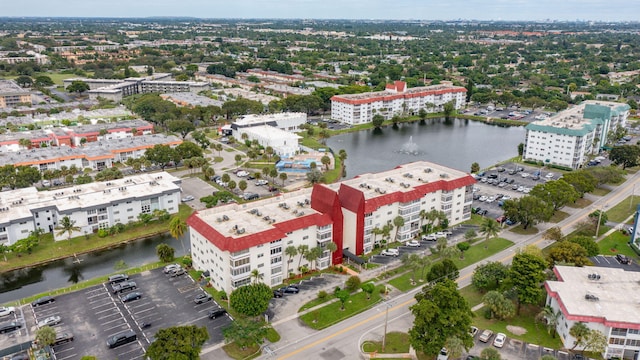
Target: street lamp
[(386, 319), (633, 192), (599, 220)]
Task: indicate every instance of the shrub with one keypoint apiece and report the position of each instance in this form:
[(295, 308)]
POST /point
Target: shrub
[(103, 233), (353, 283), (322, 295)]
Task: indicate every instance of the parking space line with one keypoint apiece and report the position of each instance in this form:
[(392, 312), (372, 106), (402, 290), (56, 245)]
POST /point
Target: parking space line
[(101, 305), (114, 327), (121, 355), (109, 322), (72, 356)]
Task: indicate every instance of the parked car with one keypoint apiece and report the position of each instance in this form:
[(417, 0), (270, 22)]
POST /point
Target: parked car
[(413, 243), (117, 278), (123, 286), (390, 252), (121, 339), (277, 293), (290, 289), (261, 182), (250, 196), (242, 173), (43, 301), (216, 313), (623, 259), (430, 237), (501, 219), (167, 269), (62, 338), (473, 331), (50, 321), (485, 336), (443, 354), (187, 198), (10, 326), (202, 298), (131, 296), (7, 310), (442, 234), (177, 272), (499, 340)]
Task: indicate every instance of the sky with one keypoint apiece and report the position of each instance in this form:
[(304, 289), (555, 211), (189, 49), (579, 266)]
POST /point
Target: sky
[(592, 10)]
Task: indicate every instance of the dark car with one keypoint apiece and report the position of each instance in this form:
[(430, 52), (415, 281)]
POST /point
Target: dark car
[(43, 301), (10, 326), (121, 339), (278, 293), (124, 286), (131, 296), (118, 278), (578, 357), (20, 356), (290, 289), (623, 259), (63, 338), (202, 298), (216, 313)]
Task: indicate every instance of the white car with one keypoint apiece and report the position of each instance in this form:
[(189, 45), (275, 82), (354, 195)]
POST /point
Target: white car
[(261, 182), (413, 243), (549, 176), (242, 173), (506, 197), (524, 175), (491, 199), (187, 198), (430, 237), (50, 321), (482, 198), (442, 234), (4, 311), (499, 340), (390, 252), (171, 267)]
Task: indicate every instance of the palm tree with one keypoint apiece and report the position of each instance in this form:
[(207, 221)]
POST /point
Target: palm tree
[(257, 276), (68, 226), (398, 221), (283, 176), (302, 251), (578, 331), (551, 319), (490, 229), (177, 228), (331, 246), (312, 255), (290, 251), (412, 261)]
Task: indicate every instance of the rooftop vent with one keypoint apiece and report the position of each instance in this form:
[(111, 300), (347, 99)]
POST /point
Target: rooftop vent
[(444, 176), (241, 231), (593, 276), (428, 170), (591, 297)]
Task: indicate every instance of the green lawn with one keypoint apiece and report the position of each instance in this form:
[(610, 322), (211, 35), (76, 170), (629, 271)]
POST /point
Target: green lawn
[(558, 216), (316, 302), (580, 203), (531, 230), (332, 313), (616, 243), (235, 352), (600, 192), (623, 209), (395, 343), (473, 296), (536, 332), (49, 249)]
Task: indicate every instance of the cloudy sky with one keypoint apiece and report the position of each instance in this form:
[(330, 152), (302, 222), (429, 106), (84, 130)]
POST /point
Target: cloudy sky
[(599, 10)]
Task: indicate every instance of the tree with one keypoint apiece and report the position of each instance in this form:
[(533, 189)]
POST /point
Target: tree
[(67, 226), (455, 347), (500, 307), (463, 246), (557, 193), (470, 234), (490, 353), (587, 243), (242, 185), (439, 314), (528, 210), (579, 331), (159, 155), (520, 149), (252, 299), (489, 276), (625, 155), (326, 161), (527, 275), (343, 296), (551, 318), (78, 86), (291, 252), (24, 81), (177, 228), (442, 271), (183, 127), (201, 138), (451, 252), (377, 121), (553, 234), (448, 109), (257, 276), (595, 341), (398, 222), (412, 261), (422, 114), (178, 342), (245, 332), (43, 80), (581, 181), (353, 283), (314, 176), (475, 167), (46, 336), (165, 253), (283, 176), (368, 288), (490, 229), (567, 252)]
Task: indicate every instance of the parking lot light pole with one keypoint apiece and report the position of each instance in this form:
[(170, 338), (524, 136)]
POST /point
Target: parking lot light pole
[(386, 319)]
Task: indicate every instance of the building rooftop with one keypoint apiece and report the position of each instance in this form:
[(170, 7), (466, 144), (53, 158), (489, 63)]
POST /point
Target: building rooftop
[(612, 296), (271, 132), (185, 98), (90, 150), (10, 87), (260, 119), (415, 90), (238, 220), (19, 203), (580, 119), (402, 179)]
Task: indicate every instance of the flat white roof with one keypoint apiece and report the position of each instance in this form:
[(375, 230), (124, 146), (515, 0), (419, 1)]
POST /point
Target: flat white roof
[(20, 202), (253, 118), (258, 216), (617, 292), (270, 132)]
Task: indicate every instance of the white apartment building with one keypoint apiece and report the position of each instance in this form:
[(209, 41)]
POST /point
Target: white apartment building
[(284, 143), (569, 137), (604, 299), (232, 240), (288, 121), (93, 206), (396, 99)]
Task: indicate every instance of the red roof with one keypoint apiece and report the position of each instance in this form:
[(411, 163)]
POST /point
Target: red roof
[(381, 96)]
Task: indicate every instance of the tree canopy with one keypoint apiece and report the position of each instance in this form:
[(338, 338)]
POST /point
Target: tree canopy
[(177, 343), (252, 299)]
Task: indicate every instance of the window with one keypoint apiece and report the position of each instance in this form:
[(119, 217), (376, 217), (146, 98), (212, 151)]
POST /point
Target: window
[(276, 250), (3, 229)]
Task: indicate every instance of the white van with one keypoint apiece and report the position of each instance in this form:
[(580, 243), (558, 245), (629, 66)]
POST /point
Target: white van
[(443, 355)]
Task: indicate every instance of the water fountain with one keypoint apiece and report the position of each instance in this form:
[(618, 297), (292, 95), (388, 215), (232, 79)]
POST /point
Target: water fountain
[(410, 147)]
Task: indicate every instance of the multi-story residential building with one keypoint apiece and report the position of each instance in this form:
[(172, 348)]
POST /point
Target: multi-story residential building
[(11, 94), (569, 137), (396, 99), (604, 299), (288, 121), (92, 206), (284, 143), (95, 155), (232, 240)]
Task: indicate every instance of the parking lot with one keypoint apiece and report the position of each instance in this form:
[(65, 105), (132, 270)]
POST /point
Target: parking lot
[(95, 314), (612, 262), (518, 350)]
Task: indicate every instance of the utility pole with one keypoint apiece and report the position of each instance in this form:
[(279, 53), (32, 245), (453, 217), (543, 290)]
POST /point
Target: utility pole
[(632, 196), (386, 319)]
